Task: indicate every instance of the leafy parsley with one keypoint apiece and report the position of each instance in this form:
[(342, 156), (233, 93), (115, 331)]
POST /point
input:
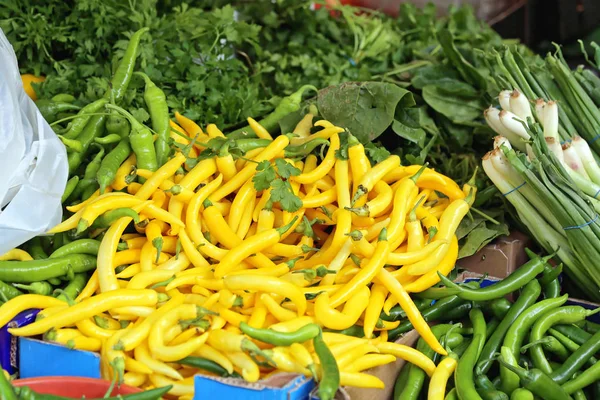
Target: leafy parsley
[(276, 177)]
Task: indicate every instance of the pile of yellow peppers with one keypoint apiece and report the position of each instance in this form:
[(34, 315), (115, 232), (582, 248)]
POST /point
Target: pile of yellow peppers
[(209, 254)]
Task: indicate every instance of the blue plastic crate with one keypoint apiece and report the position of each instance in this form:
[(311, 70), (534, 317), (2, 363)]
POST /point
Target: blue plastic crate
[(9, 349)]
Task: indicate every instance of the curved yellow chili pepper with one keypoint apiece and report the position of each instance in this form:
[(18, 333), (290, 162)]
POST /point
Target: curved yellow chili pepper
[(233, 318), (224, 234), (191, 219), (360, 380), (339, 343), (431, 278), (292, 325), (156, 341), (16, 255), (245, 364), (321, 199), (333, 319), (302, 128), (439, 379), (342, 183), (285, 362), (448, 224), (279, 312), (191, 252), (123, 172), (344, 226), (134, 379), (374, 175), (85, 309), (412, 312), (260, 131), (94, 210), (414, 230), (373, 311), (210, 353), (175, 264), (93, 198), (326, 165), (338, 262), (190, 127), (359, 163), (68, 224), (249, 246), (245, 226), (14, 306), (356, 352), (182, 138), (164, 172), (146, 278), (242, 198), (408, 354), (248, 171), (325, 133), (90, 329), (267, 284), (369, 361), (366, 274), (142, 354)]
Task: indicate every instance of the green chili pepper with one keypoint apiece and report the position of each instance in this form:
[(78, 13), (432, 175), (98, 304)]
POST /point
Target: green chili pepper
[(89, 177), (413, 386), (54, 281), (141, 141), (93, 129), (109, 165), (156, 101), (452, 395), (307, 332), (397, 312), (110, 138), (43, 288), (83, 118), (569, 344), (551, 344), (63, 98), (81, 246), (576, 360), (491, 326), (122, 77), (514, 281), (549, 281), (72, 290), (41, 270), (463, 376), (71, 185), (71, 144), (50, 109), (8, 292), (355, 331), (521, 394), (330, 375), (498, 307), (584, 379), (574, 333), (487, 390), (401, 381), (35, 249), (106, 219), (565, 314), (207, 365), (528, 296), (589, 326), (304, 149), (538, 383), (443, 310), (117, 126), (245, 145), (509, 381), (287, 106), (6, 389)]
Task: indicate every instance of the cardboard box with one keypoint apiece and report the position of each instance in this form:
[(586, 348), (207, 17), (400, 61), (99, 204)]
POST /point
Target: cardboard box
[(500, 258)]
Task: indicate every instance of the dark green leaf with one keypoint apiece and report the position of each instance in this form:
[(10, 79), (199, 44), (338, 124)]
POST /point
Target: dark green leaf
[(457, 108), (365, 109)]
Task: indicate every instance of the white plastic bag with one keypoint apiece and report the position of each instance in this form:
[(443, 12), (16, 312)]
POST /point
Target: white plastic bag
[(33, 161)]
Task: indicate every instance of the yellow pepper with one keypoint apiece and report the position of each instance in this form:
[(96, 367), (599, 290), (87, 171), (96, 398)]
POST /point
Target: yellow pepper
[(292, 325), (268, 284), (285, 362), (156, 341), (245, 364), (88, 328), (134, 379), (359, 163), (279, 312), (360, 380), (439, 379), (373, 311), (326, 165), (412, 312), (27, 80), (369, 361), (208, 352), (331, 318), (191, 128), (142, 354), (303, 357), (302, 129), (325, 133), (260, 131), (164, 172), (14, 306), (191, 252), (16, 255), (86, 309), (346, 359), (366, 274), (431, 278), (372, 176)]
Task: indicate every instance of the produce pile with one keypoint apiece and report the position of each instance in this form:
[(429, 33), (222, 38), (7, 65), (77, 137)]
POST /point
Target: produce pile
[(282, 189)]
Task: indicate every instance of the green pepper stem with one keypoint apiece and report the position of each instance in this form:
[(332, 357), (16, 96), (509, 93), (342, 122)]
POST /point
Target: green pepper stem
[(382, 235), (291, 263), (285, 228), (360, 211), (416, 176), (542, 341)]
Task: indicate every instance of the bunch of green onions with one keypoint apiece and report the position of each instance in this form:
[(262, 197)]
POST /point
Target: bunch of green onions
[(553, 187)]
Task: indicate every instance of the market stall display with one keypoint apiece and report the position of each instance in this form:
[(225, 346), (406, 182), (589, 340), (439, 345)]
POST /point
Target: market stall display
[(305, 218)]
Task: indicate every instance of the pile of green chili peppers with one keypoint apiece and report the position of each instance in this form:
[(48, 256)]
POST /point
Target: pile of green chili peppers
[(535, 347)]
